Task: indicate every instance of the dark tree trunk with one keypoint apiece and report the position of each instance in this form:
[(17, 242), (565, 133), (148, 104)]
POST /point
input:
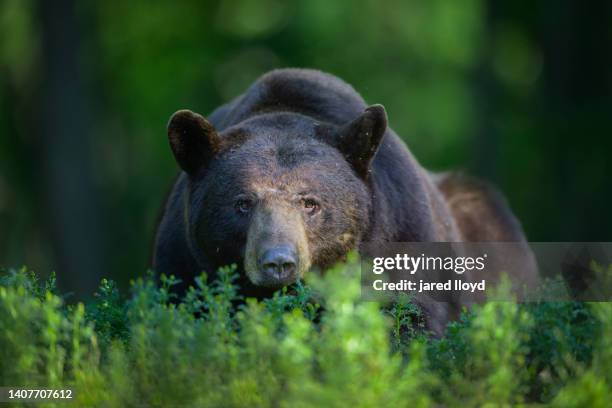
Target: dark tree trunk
[(64, 132), (486, 88)]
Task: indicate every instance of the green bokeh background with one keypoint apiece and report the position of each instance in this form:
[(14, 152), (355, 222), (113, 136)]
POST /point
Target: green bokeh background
[(518, 93)]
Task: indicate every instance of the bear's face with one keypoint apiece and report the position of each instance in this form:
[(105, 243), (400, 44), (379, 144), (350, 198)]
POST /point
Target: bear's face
[(277, 194), (279, 204)]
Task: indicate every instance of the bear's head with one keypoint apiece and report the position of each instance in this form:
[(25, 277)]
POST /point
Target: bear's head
[(278, 193)]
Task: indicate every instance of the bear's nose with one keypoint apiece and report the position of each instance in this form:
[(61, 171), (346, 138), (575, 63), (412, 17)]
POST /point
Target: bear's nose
[(279, 264)]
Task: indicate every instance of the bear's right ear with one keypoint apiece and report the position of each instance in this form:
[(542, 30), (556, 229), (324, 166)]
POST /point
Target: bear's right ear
[(193, 140)]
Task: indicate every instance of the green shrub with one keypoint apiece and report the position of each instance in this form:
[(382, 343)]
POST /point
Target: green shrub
[(311, 345)]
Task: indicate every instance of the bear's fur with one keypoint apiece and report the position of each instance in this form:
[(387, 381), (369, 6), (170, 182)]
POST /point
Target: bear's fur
[(299, 165)]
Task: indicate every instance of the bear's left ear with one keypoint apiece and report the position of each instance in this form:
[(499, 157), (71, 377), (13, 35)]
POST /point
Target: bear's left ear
[(193, 140), (359, 139)]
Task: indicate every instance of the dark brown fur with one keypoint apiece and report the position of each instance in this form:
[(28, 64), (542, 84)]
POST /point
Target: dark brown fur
[(295, 141)]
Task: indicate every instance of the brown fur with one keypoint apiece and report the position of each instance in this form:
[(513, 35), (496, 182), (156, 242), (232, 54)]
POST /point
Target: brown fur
[(470, 202), (297, 137)]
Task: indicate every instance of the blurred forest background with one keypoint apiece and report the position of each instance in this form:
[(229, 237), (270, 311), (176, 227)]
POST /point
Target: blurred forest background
[(518, 93)]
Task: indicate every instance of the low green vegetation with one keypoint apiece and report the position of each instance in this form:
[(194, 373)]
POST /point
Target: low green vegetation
[(315, 345)]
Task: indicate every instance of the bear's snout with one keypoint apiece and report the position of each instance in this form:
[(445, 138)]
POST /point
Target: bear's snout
[(278, 266), (276, 252)]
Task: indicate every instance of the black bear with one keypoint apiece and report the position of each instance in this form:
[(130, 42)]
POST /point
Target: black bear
[(298, 171)]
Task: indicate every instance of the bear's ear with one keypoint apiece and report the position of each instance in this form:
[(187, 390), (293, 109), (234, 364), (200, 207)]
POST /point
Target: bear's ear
[(359, 139), (193, 140)]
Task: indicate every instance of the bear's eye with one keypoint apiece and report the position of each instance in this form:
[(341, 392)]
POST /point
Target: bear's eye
[(311, 205), (243, 205)]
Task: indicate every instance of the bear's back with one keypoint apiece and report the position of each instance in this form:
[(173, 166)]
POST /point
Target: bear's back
[(309, 92)]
